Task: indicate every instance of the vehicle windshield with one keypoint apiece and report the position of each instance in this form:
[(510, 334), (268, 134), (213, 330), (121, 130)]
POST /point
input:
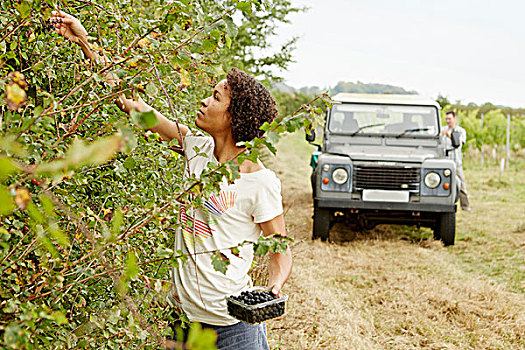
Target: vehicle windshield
[(392, 120)]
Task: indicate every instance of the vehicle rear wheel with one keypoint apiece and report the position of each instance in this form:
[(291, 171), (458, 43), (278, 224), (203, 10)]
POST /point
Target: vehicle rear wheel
[(446, 228), (321, 223)]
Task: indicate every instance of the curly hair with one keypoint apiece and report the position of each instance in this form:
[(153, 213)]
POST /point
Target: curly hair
[(251, 104)]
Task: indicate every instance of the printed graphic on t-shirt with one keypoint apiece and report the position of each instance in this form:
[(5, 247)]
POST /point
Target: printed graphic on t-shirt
[(218, 205), (195, 231)]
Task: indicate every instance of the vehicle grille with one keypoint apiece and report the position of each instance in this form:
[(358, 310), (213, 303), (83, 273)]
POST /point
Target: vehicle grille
[(386, 178)]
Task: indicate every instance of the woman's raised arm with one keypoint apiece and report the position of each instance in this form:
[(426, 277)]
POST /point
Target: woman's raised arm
[(70, 28)]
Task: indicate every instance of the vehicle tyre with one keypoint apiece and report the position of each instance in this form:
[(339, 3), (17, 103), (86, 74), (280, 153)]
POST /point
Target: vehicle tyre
[(446, 228), (312, 181), (321, 223), (437, 234)]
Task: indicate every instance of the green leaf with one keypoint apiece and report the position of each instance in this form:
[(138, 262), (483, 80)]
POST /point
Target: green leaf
[(267, 4), (203, 339), (6, 167), (252, 156), (59, 317), (80, 154), (24, 8), (209, 45), (265, 126), (114, 315), (46, 242), (220, 262), (151, 89), (7, 204), (58, 235), (174, 142), (163, 252), (131, 265), (228, 42), (14, 336), (231, 28), (260, 249), (198, 151), (234, 172), (34, 213), (47, 204), (145, 120), (215, 34), (270, 146), (9, 143), (38, 110), (273, 137), (275, 243), (130, 163), (11, 306), (245, 7), (116, 222), (121, 73)]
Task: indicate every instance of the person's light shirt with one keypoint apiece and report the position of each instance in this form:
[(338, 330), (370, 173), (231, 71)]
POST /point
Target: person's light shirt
[(456, 155)]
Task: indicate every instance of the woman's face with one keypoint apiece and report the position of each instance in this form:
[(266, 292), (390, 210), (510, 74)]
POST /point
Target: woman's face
[(213, 116)]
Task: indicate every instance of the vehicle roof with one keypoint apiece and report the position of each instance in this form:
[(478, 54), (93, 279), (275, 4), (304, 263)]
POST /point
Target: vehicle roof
[(385, 99)]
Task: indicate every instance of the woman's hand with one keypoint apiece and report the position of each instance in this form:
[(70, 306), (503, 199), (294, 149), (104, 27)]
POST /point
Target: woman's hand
[(275, 289), (69, 27), (129, 104)]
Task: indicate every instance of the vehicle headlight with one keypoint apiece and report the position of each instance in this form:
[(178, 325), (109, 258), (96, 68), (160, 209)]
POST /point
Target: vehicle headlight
[(446, 172), (340, 176), (432, 179)]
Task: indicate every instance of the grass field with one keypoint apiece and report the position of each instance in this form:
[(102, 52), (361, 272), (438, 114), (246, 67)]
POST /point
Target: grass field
[(396, 288)]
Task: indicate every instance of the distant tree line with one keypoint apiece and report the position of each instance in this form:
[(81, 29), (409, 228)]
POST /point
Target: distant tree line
[(350, 87), (290, 99)]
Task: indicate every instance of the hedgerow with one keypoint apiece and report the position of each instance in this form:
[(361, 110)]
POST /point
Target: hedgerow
[(88, 198)]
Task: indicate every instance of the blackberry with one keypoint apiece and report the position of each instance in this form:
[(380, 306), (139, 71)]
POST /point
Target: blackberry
[(47, 26)]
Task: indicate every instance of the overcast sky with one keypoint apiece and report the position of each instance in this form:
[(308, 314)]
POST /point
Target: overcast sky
[(473, 51)]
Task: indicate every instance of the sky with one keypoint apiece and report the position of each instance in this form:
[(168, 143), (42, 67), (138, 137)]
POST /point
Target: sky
[(471, 51)]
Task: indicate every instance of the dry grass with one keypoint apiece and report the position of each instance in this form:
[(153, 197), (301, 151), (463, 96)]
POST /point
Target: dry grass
[(396, 288)]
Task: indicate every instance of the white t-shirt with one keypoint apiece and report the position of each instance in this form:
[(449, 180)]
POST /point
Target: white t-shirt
[(229, 218), (457, 155)]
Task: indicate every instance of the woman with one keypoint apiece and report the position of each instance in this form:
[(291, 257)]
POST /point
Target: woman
[(252, 205)]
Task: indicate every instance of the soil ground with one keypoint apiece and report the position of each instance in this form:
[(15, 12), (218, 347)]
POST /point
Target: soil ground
[(394, 287)]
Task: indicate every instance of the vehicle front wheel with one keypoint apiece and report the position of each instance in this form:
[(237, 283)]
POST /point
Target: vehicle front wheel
[(321, 223), (445, 228)]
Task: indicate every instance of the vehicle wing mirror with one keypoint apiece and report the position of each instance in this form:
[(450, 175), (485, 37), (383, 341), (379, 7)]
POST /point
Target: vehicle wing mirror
[(455, 139), (310, 135)]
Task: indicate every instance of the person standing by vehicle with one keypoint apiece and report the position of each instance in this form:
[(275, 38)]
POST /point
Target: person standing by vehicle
[(240, 212), (453, 127)]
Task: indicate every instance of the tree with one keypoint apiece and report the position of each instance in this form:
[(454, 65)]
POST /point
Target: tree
[(254, 37)]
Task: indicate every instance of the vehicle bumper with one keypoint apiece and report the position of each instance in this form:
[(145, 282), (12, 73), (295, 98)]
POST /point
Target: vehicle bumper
[(393, 206)]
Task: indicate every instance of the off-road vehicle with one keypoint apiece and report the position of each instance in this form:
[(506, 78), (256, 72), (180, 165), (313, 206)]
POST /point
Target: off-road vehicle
[(383, 160)]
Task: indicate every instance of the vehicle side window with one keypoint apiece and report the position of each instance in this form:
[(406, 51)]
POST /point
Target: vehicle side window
[(336, 122)]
